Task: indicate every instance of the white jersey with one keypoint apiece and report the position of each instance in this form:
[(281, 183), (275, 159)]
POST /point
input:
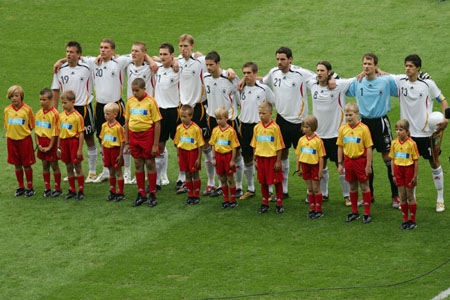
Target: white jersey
[(77, 79), (143, 72), (251, 98), (191, 80), (328, 106), (108, 77), (221, 92), (167, 93), (416, 103), (291, 100)]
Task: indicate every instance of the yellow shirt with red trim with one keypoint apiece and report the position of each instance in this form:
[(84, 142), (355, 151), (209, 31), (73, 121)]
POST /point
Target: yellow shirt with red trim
[(47, 123), (71, 124), (310, 150), (188, 137), (112, 135), (141, 114), (18, 121), (267, 139), (404, 153), (224, 140), (354, 140)]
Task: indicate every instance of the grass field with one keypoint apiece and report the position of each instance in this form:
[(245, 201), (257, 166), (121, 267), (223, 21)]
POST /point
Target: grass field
[(57, 249)]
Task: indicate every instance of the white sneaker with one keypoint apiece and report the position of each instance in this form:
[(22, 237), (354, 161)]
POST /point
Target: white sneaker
[(164, 180), (90, 178), (128, 180), (440, 206), (102, 177), (65, 179)]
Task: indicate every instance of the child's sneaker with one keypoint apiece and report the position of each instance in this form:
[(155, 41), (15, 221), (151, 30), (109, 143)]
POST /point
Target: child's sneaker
[(318, 215), (352, 217), (152, 201), (119, 197), (395, 202), (183, 189), (80, 195), (310, 214), (279, 209), (29, 192), (440, 206), (111, 196), (195, 200), (90, 178), (225, 204), (70, 195), (47, 193), (19, 192), (348, 203), (216, 193), (232, 204), (178, 185), (247, 194), (404, 225), (56, 193), (411, 225), (239, 193), (263, 209), (366, 219), (188, 201), (139, 200), (164, 180)]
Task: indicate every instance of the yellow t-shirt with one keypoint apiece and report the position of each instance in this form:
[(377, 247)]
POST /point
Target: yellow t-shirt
[(18, 121), (47, 123), (224, 140), (141, 114), (188, 138), (112, 135), (404, 154), (71, 124), (354, 140), (267, 139), (310, 150)]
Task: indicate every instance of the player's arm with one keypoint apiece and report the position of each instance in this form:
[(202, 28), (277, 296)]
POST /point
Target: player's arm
[(213, 148), (444, 105), (120, 156), (80, 144), (392, 170), (58, 64), (277, 166), (127, 139), (233, 158), (298, 168), (157, 132), (153, 65), (340, 160), (36, 140), (321, 167), (416, 171), (198, 162), (369, 153), (58, 147), (52, 143), (55, 95)]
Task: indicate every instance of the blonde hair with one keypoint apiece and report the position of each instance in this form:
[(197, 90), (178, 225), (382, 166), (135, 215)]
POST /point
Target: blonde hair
[(310, 121), (187, 109), (221, 112), (186, 37), (352, 106), (15, 89), (68, 95), (141, 45), (266, 105), (113, 107)]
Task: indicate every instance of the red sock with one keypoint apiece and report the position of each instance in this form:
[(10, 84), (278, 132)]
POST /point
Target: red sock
[(367, 198), (312, 202), (152, 182), (265, 193), (318, 202), (57, 177), (225, 193), (279, 190), (354, 200), (72, 184), (121, 182), (81, 183), (19, 176), (46, 180), (412, 211), (112, 184), (29, 176), (190, 188), (197, 186), (140, 180), (233, 193), (404, 208)]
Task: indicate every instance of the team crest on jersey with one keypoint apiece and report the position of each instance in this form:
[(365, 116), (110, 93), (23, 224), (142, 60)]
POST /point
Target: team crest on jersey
[(171, 80), (113, 73), (249, 92), (420, 95), (145, 76), (258, 97), (73, 73), (164, 73), (104, 67), (293, 84), (81, 78), (411, 88), (193, 72), (380, 92), (284, 77), (224, 91)]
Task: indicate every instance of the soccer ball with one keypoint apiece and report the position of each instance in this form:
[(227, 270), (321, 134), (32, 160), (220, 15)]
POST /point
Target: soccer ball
[(433, 119)]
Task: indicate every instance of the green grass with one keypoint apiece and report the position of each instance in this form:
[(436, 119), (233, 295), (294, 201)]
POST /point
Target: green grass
[(56, 249)]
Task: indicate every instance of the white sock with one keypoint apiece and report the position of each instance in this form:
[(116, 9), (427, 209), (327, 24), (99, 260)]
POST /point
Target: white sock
[(165, 162), (345, 186), (271, 188), (210, 169), (105, 169), (249, 171), (159, 160), (239, 171), (324, 182), (181, 176), (127, 162), (285, 166), (438, 178), (92, 159)]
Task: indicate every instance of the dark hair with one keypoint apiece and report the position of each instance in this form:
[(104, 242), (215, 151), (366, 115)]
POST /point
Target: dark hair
[(251, 65), (284, 50), (213, 55), (167, 46), (74, 44), (371, 56), (46, 92), (415, 59), (138, 82), (111, 42), (327, 66)]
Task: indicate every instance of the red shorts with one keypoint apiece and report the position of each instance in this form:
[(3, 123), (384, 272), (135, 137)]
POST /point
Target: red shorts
[(109, 157), (187, 159), (69, 148), (20, 152), (49, 155), (404, 175), (355, 169), (310, 172), (223, 164), (266, 174), (141, 143)]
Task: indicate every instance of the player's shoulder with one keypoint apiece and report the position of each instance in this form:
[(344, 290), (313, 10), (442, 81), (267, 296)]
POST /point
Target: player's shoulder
[(207, 75), (274, 70), (261, 86), (81, 64), (362, 125), (26, 107), (76, 113)]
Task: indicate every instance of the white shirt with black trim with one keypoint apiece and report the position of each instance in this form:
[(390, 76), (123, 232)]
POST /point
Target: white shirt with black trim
[(221, 92), (144, 72), (191, 80), (250, 98), (167, 93)]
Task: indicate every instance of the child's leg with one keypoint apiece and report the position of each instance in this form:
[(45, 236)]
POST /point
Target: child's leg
[(56, 174), (279, 190), (120, 180), (324, 180), (80, 176), (71, 176), (367, 197), (404, 202), (189, 184), (140, 174), (233, 187), (151, 172), (29, 176), (265, 193), (197, 184), (112, 179), (411, 203), (354, 196), (317, 195), (46, 174), (223, 183), (19, 175), (210, 169), (311, 198)]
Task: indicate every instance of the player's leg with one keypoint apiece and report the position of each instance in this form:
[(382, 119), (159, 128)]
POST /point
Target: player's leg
[(247, 153), (318, 198), (224, 187), (19, 176), (394, 190), (233, 188), (438, 179), (412, 205), (57, 177), (46, 177), (164, 178), (151, 174), (311, 198), (160, 162), (197, 186), (71, 179), (80, 178), (112, 184), (324, 180), (365, 190), (403, 205)]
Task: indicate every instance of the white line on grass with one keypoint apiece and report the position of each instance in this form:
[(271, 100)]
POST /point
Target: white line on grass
[(442, 295)]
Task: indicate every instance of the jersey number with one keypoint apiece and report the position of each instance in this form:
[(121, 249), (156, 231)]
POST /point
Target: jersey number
[(65, 79), (158, 78), (277, 82), (405, 92), (362, 93), (208, 89), (99, 72), (315, 95)]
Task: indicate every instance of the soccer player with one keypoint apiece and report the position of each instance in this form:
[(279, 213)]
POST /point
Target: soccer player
[(76, 75), (142, 130), (267, 143), (373, 95), (328, 107), (310, 153), (46, 135), (405, 155), (416, 103), (70, 144), (18, 120), (222, 92), (189, 142), (224, 142), (355, 154), (251, 96)]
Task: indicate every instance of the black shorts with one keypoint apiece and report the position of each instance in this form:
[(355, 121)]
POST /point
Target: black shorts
[(424, 145), (246, 133), (380, 130), (169, 122), (331, 149), (88, 115), (291, 132), (200, 118), (100, 115), (212, 123)]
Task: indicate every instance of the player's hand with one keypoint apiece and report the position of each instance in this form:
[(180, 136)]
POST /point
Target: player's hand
[(214, 162), (360, 76), (98, 60), (197, 163), (175, 66), (341, 169), (154, 66), (442, 125), (394, 179), (413, 181), (127, 149), (368, 170), (320, 174), (241, 85), (232, 164), (331, 83), (58, 153), (231, 75), (40, 148), (155, 150), (119, 160), (277, 166), (57, 66), (256, 165), (79, 154)]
